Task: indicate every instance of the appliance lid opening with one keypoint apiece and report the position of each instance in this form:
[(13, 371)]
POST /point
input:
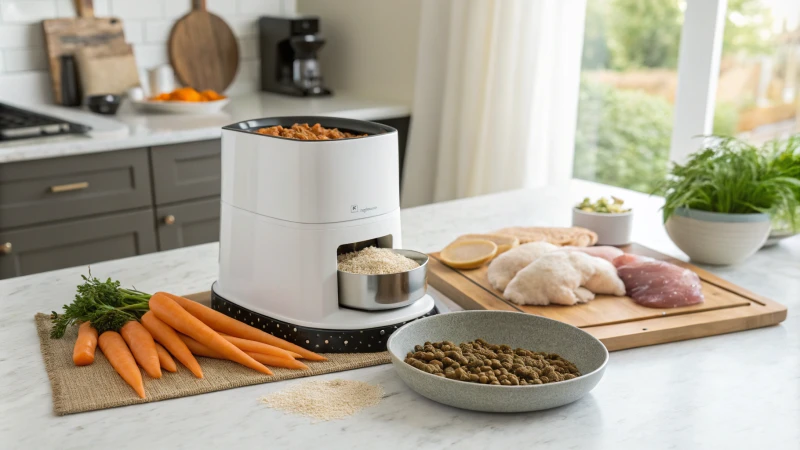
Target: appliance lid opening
[(371, 129)]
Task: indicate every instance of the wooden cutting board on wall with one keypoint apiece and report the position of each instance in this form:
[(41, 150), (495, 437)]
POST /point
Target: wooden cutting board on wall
[(617, 321), (203, 50), (65, 36)]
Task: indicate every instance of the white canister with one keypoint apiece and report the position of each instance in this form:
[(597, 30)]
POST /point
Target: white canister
[(161, 79)]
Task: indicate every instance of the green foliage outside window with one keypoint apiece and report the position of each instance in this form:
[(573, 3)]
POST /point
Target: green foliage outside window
[(623, 136)]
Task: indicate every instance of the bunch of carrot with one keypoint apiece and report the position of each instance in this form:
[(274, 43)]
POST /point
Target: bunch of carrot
[(179, 327)]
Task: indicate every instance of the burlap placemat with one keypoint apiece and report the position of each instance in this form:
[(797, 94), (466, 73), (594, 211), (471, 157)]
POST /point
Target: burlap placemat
[(97, 386)]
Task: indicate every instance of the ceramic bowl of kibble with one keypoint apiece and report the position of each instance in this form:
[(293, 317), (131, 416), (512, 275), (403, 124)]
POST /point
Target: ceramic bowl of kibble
[(521, 338)]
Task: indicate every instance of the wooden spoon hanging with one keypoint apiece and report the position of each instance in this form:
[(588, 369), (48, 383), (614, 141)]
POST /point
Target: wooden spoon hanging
[(203, 50)]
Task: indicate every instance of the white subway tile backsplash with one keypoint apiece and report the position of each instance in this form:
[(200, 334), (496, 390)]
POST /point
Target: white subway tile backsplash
[(134, 31), (157, 30), (248, 48), (21, 36), (244, 26), (66, 8), (248, 78), (138, 9), (150, 55), (26, 87), (27, 10), (175, 9), (17, 60), (259, 7), (23, 65), (223, 7), (288, 7)]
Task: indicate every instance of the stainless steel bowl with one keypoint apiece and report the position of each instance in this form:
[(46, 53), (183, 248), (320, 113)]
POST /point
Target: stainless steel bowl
[(377, 292)]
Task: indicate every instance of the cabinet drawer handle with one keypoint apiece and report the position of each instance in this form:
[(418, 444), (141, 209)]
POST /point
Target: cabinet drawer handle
[(69, 187), (5, 248), (169, 220)]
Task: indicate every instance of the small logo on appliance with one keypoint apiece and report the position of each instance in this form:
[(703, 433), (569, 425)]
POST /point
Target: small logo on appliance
[(353, 208)]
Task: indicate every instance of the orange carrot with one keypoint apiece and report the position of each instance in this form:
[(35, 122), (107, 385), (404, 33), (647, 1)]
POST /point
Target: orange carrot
[(167, 337), (178, 318), (143, 347), (203, 350), (121, 359), (257, 347), (85, 345), (275, 361), (165, 359), (232, 327), (199, 349)]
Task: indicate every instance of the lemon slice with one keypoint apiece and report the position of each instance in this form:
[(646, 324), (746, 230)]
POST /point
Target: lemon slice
[(504, 242), (468, 253)]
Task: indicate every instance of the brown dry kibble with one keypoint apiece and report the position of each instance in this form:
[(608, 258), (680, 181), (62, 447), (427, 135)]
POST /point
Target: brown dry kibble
[(303, 132), (480, 362)]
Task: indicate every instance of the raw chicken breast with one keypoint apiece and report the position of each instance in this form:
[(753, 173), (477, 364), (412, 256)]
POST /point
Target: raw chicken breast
[(658, 284), (504, 267), (606, 252), (563, 278), (605, 279), (552, 278)]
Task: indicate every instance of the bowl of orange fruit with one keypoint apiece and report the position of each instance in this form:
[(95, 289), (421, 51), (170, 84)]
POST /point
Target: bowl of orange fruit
[(185, 100)]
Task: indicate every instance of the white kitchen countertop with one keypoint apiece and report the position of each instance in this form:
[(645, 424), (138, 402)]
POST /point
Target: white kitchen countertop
[(740, 390), (133, 129)]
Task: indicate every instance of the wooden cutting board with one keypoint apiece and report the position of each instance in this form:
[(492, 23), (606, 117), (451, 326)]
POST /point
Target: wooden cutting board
[(617, 321), (203, 50), (65, 36)]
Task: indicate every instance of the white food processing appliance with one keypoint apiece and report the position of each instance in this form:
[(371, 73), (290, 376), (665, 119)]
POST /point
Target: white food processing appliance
[(288, 209)]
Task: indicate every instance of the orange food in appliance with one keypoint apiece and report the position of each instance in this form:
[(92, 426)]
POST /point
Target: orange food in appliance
[(303, 132), (187, 94)]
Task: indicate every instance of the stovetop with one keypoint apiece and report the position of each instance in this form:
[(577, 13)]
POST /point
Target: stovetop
[(17, 123)]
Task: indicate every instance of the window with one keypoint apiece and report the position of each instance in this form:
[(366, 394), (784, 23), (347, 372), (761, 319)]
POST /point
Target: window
[(757, 93), (629, 82)]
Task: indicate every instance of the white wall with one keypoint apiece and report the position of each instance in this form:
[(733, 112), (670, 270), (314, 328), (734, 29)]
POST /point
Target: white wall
[(371, 45), (23, 64)]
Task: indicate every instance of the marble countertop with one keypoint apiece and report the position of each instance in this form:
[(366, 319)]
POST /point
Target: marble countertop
[(740, 390), (133, 129)]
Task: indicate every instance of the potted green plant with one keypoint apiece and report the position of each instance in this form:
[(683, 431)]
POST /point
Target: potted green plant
[(717, 205)]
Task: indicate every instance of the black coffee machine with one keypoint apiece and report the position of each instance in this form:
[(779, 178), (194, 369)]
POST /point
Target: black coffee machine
[(289, 47)]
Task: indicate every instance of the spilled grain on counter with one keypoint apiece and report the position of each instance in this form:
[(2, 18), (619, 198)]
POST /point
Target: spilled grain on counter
[(325, 400)]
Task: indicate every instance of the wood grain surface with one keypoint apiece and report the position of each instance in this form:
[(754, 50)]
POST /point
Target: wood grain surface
[(618, 321), (65, 36), (203, 50)]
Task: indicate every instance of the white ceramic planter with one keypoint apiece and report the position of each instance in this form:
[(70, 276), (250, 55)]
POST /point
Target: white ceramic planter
[(717, 238), (611, 229)]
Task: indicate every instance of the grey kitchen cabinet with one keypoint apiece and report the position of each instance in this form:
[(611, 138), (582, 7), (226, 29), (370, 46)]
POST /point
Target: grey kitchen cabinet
[(76, 242), (186, 171), (188, 223), (48, 190)]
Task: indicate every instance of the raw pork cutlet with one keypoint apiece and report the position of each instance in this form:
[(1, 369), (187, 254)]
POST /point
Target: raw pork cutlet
[(606, 252), (658, 284)]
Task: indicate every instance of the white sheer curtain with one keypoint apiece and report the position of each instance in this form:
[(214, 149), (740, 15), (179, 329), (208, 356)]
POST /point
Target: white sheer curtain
[(496, 97)]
